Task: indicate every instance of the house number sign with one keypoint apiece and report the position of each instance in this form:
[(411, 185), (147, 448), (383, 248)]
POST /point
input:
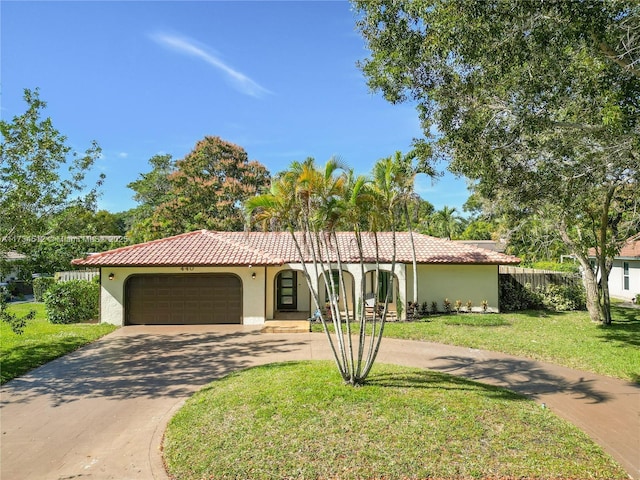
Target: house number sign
[(187, 269)]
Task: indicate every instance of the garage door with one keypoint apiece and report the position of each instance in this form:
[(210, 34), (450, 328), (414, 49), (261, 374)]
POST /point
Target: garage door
[(183, 299)]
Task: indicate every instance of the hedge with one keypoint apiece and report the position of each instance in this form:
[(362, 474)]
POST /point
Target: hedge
[(73, 301)]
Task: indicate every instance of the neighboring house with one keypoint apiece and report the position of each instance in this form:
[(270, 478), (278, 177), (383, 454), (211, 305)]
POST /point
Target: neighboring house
[(624, 278), (207, 277), (10, 263)]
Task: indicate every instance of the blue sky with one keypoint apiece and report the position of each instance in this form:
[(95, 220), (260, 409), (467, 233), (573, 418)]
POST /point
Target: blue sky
[(141, 78)]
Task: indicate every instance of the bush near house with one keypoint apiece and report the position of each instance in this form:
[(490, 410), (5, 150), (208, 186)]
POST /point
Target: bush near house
[(40, 287), (73, 301)]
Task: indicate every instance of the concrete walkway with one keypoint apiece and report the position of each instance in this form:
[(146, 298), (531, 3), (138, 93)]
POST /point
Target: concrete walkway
[(100, 412)]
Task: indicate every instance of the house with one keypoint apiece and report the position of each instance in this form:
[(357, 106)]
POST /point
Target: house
[(624, 278), (10, 263), (248, 278)]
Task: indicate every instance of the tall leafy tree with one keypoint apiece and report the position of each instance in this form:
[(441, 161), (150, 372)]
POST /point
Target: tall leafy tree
[(204, 190), (151, 190), (40, 175), (537, 102)]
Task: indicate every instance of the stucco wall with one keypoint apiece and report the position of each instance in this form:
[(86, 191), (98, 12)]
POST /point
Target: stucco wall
[(436, 282), (456, 282), (616, 279), (113, 291)]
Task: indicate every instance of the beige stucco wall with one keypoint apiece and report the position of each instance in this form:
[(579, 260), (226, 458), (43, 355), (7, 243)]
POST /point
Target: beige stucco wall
[(112, 291), (436, 282), (456, 282)]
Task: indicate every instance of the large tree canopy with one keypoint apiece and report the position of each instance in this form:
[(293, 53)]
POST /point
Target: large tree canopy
[(40, 176), (205, 189), (537, 102)]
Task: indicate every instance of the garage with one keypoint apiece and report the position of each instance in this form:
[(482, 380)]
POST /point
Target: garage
[(190, 299)]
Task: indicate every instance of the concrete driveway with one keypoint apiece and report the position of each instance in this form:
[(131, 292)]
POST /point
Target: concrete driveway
[(100, 412)]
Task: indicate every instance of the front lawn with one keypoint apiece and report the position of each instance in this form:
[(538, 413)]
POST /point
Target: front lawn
[(564, 338), (41, 341), (298, 420)]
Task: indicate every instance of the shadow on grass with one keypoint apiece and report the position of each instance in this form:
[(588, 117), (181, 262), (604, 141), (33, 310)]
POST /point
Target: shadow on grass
[(152, 365), (427, 379), (625, 327)]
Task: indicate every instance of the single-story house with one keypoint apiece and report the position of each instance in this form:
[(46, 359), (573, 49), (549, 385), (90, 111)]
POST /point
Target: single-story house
[(624, 278), (10, 264), (248, 278)]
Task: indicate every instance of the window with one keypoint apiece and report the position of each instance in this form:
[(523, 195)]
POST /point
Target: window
[(625, 275), (335, 274), (287, 290), (384, 284)]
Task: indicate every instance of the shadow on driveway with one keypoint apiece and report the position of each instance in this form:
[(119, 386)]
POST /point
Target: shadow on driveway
[(150, 365), (523, 376)]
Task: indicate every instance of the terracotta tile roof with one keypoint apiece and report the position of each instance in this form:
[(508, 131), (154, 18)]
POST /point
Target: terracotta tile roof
[(205, 247), (630, 249)]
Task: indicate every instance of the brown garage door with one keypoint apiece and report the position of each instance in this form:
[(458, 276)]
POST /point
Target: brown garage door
[(183, 299)]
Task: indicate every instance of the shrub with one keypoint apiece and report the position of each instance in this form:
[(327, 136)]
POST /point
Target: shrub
[(434, 307), (514, 296), (447, 305), (40, 287), (72, 302), (556, 267), (562, 297), (458, 306)]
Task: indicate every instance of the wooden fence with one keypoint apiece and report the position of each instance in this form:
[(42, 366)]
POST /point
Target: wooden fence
[(77, 275), (538, 278)]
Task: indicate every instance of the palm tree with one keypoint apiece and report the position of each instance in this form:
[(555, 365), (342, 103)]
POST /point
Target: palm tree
[(447, 223), (404, 178), (316, 203)]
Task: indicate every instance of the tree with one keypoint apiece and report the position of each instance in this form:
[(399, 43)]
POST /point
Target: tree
[(205, 190), (152, 190), (40, 175), (446, 223), (536, 102), (405, 170), (311, 203), (81, 220)]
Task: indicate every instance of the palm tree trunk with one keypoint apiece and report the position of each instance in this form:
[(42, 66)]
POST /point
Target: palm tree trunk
[(414, 261)]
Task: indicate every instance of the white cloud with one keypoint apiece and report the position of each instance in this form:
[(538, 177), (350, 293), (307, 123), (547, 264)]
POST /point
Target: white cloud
[(123, 155), (189, 47)]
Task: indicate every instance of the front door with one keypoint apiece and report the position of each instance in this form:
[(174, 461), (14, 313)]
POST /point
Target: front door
[(287, 291)]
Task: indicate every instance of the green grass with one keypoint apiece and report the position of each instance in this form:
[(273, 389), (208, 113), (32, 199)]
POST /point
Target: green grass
[(41, 341), (298, 420), (564, 338)]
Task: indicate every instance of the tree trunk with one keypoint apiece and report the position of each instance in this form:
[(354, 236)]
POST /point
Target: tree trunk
[(591, 288), (602, 258), (588, 276)]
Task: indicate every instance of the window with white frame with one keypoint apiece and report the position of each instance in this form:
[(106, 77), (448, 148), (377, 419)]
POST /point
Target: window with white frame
[(625, 275)]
